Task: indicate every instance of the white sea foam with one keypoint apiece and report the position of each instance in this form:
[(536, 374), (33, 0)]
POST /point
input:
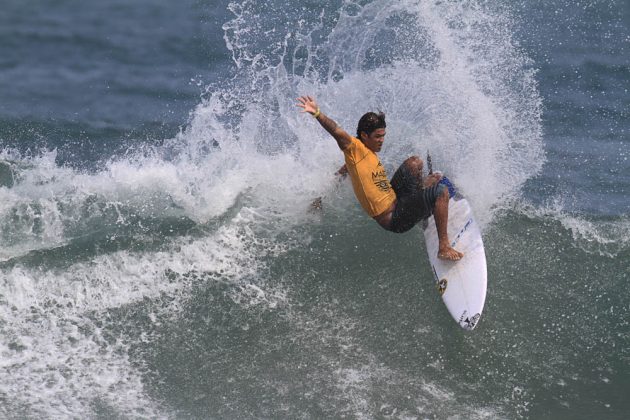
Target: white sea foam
[(59, 362), (448, 75)]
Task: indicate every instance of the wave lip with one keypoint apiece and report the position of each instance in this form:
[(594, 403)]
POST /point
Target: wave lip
[(608, 236)]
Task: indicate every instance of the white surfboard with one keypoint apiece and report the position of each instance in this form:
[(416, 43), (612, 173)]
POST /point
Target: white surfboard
[(462, 283)]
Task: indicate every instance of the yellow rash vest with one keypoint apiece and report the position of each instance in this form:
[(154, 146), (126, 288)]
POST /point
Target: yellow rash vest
[(369, 179)]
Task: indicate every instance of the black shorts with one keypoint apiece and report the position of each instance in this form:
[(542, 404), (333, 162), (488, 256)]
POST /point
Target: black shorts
[(413, 202)]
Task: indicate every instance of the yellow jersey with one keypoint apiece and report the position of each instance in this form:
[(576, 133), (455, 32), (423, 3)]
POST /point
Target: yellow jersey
[(369, 179)]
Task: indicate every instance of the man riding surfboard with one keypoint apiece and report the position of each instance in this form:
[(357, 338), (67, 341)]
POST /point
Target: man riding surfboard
[(398, 205)]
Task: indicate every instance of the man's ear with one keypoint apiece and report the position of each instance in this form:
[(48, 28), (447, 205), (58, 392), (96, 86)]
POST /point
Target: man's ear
[(363, 137)]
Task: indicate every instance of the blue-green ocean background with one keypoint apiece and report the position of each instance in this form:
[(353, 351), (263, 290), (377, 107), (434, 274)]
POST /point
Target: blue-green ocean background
[(157, 259)]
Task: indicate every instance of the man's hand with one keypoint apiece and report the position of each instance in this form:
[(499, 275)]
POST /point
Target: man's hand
[(308, 104), (342, 172)]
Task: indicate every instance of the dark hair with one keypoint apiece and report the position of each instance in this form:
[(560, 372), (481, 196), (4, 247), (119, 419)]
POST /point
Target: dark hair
[(370, 122)]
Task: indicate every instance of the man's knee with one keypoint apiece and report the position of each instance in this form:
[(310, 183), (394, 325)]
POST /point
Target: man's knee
[(414, 163)]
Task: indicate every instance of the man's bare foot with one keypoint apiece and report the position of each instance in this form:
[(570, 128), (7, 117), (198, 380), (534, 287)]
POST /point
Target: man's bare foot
[(449, 253)]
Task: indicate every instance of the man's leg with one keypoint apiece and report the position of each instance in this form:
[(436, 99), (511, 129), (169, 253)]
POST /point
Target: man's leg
[(440, 212)]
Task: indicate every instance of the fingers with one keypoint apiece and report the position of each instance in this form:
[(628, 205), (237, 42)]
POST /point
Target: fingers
[(302, 103), (305, 99), (307, 103)]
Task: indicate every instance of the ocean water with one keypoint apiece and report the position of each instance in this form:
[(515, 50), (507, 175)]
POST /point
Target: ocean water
[(157, 259)]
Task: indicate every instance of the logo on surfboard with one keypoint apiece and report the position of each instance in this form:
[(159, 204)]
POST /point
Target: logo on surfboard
[(441, 286), (468, 322), (461, 232)]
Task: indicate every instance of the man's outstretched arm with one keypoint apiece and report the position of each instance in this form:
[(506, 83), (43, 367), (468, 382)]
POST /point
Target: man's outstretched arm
[(309, 105)]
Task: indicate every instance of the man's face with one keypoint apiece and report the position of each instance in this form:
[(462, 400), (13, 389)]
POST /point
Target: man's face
[(374, 141)]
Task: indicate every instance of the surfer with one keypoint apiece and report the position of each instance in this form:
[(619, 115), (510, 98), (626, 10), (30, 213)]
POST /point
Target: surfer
[(396, 206)]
